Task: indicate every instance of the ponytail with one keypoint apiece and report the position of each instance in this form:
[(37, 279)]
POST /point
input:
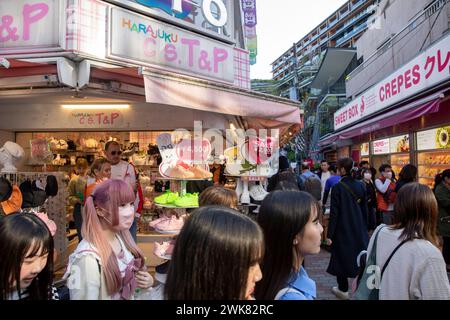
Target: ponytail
[(91, 230)]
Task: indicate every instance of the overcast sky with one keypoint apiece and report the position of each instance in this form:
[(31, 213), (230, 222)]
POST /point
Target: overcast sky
[(283, 22)]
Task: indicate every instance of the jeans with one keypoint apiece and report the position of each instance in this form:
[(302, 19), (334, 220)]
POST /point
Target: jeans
[(133, 229), (78, 220)]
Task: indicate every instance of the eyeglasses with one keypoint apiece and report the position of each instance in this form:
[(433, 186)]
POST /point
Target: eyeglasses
[(116, 152)]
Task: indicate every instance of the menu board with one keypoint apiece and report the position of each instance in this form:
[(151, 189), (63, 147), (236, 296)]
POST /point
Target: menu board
[(438, 138), (381, 146), (399, 144), (364, 149)]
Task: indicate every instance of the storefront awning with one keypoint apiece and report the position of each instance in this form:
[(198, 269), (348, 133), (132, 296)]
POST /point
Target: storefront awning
[(20, 68), (415, 109), (260, 109)]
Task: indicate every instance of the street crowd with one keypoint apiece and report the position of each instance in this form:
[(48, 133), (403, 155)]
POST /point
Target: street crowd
[(396, 225)]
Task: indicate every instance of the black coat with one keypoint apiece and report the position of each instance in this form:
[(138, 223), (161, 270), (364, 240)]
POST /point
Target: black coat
[(347, 227)]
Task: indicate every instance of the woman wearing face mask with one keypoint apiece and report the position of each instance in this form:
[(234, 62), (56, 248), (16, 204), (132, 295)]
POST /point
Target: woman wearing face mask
[(26, 265), (107, 264), (290, 222), (371, 198), (99, 172)]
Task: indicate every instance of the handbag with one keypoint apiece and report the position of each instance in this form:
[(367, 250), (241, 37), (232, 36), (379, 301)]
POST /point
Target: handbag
[(370, 280)]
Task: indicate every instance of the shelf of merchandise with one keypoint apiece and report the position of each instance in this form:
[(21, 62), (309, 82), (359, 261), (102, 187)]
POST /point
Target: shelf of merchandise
[(168, 206), (435, 165)]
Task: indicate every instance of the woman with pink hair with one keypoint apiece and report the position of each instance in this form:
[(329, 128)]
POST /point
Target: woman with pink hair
[(107, 264)]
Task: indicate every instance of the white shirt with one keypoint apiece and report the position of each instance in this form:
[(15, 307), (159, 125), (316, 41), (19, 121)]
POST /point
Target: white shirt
[(415, 272), (325, 176), (85, 280)]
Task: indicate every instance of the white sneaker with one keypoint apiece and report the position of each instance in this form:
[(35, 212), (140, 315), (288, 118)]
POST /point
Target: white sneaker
[(340, 294)]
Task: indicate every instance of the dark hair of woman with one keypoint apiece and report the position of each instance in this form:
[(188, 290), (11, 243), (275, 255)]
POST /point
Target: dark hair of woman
[(218, 196), (282, 216), (440, 177), (408, 173), (22, 234), (347, 164), (213, 254), (416, 211), (287, 179)]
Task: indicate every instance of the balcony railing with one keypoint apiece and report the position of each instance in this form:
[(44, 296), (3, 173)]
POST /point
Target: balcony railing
[(420, 18), (351, 34), (357, 4)]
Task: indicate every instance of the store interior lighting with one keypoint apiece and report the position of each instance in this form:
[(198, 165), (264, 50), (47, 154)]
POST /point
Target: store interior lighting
[(95, 106)]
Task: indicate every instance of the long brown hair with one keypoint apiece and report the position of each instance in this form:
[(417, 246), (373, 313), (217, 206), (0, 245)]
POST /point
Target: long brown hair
[(218, 196), (416, 212)]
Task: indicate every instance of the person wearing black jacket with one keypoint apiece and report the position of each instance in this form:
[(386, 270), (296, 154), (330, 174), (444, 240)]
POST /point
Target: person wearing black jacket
[(347, 229), (366, 175)]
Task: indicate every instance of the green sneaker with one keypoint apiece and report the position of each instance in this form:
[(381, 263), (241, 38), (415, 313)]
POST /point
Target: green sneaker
[(189, 200), (166, 198)]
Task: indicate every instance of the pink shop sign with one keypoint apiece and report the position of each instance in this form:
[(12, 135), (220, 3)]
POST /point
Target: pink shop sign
[(97, 119), (30, 24), (428, 69), (133, 38)]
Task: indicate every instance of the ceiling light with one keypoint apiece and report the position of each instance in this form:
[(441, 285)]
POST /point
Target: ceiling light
[(95, 106)]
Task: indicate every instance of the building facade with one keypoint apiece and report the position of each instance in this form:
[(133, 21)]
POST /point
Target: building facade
[(307, 71), (399, 109)]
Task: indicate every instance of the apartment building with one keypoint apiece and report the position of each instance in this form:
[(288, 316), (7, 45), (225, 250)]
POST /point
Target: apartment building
[(399, 96), (341, 29)]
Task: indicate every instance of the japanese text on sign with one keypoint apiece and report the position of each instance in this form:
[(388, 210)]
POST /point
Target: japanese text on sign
[(425, 71)]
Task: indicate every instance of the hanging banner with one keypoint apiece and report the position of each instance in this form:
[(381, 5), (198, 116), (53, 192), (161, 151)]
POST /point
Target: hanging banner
[(153, 43), (250, 21)]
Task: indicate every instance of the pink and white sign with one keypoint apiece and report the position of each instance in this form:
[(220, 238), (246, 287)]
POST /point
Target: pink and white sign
[(29, 24), (426, 70), (193, 151), (153, 43), (97, 120), (381, 146)]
